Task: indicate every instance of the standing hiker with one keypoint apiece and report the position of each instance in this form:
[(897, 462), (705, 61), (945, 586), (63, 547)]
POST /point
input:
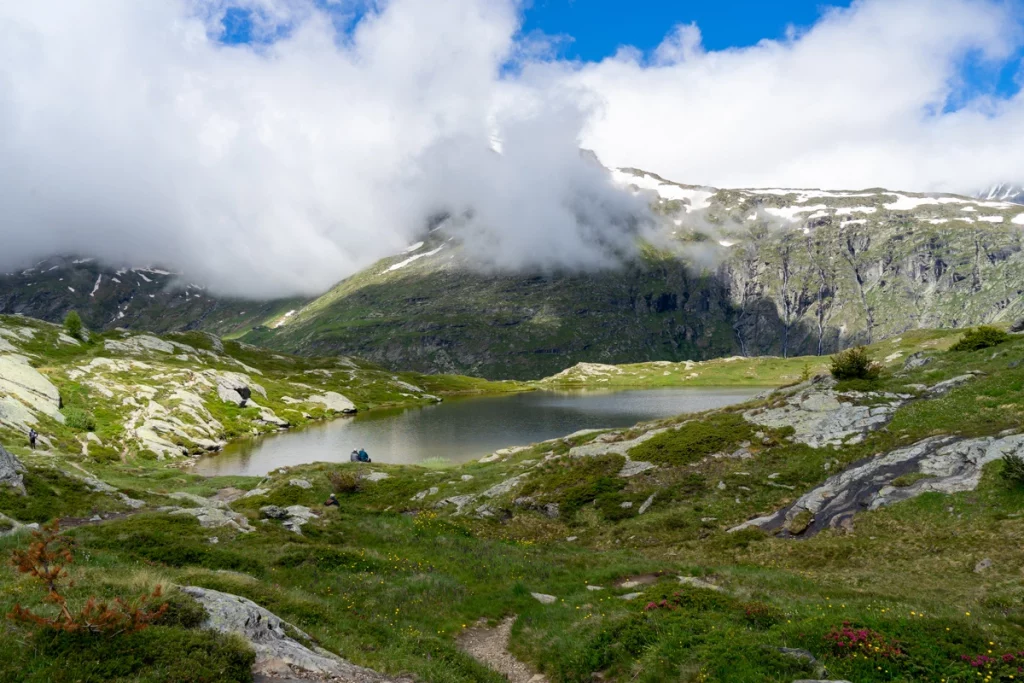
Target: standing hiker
[(32, 436)]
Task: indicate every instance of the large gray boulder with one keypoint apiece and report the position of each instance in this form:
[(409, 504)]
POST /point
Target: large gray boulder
[(11, 471), (276, 652)]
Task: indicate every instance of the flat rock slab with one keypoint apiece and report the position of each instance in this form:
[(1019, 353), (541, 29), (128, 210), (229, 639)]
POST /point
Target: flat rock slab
[(948, 465)]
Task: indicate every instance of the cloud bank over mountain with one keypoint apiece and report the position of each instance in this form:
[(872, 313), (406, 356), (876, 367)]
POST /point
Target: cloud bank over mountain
[(134, 132)]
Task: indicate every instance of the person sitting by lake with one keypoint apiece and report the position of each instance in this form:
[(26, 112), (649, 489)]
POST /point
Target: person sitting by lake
[(354, 456), (332, 500), (363, 455)]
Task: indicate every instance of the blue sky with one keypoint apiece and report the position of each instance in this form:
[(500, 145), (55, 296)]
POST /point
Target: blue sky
[(590, 30), (599, 27)]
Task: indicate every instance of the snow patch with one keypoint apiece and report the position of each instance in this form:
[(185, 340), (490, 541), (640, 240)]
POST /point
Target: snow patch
[(1018, 219), (855, 221), (96, 287), (992, 219), (403, 264), (790, 212), (287, 315), (412, 247), (847, 210)]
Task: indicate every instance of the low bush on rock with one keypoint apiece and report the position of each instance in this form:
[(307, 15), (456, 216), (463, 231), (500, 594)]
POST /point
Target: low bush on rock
[(343, 482), (696, 439), (1013, 470), (980, 338), (854, 363)]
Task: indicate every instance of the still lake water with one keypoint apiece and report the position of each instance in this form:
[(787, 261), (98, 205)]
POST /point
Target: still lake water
[(463, 429)]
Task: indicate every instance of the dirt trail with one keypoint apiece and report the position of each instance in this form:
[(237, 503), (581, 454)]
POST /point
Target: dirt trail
[(489, 646)]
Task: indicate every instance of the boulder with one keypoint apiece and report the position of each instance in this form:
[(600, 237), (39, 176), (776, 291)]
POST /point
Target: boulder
[(917, 360), (334, 402), (11, 471), (273, 512), (301, 483), (276, 652)]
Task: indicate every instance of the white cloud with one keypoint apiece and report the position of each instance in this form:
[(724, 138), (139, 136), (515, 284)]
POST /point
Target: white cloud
[(127, 130), (849, 103)]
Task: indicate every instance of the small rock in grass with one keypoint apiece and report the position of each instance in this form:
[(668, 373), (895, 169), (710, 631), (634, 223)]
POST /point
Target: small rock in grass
[(647, 504), (595, 588), (301, 483), (273, 512), (630, 596), (982, 566), (544, 599), (572, 538)]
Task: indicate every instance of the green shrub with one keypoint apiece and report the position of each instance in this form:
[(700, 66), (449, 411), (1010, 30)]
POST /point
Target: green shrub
[(79, 419), (1013, 469), (695, 440), (980, 338), (73, 324), (343, 482), (854, 364), (158, 653)]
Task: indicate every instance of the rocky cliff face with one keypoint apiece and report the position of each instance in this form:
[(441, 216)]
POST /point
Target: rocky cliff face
[(753, 272)]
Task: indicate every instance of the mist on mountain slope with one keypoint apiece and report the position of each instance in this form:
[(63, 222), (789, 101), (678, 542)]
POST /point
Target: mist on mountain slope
[(129, 131)]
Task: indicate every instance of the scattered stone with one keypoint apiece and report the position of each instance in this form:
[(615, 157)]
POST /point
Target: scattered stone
[(571, 539), (256, 492), (375, 476), (699, 583), (466, 477), (626, 505), (721, 486), (297, 516), (647, 504), (595, 588), (213, 517), (458, 501), (982, 566), (544, 599), (916, 360), (427, 492), (630, 596), (301, 483)]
